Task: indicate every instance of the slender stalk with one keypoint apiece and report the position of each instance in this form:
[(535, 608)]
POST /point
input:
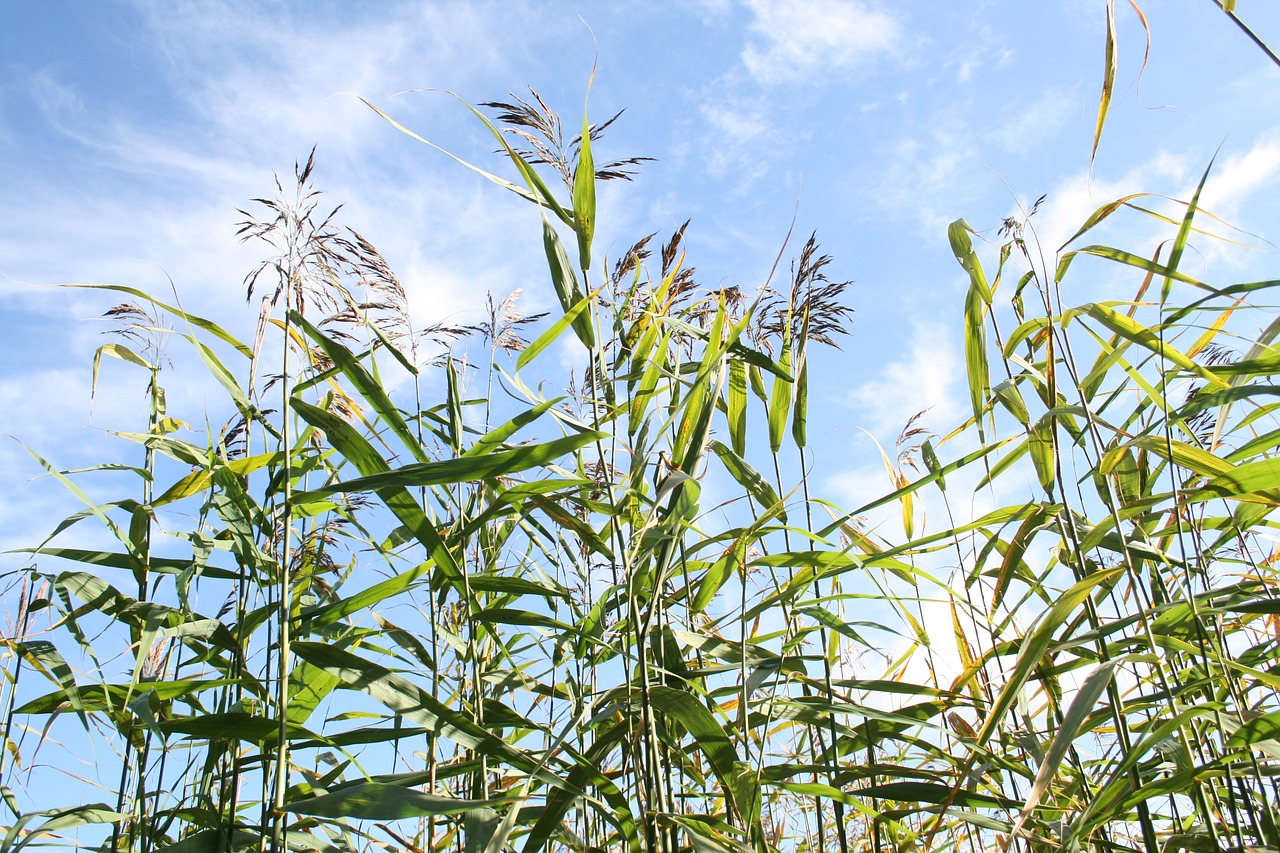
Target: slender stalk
[(279, 825)]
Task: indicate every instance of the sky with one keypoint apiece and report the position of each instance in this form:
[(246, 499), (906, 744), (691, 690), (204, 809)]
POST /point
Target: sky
[(131, 133)]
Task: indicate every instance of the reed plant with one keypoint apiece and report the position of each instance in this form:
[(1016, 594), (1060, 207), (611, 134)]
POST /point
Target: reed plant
[(372, 610)]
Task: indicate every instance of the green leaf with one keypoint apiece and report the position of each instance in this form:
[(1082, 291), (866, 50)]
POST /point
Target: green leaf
[(194, 320), (572, 317), (464, 469), (1264, 728), (1108, 78), (705, 839), (780, 401), (933, 476), (975, 311), (1180, 453), (99, 510), (1069, 729), (45, 656), (695, 424), (481, 824), (1009, 396), (712, 739), (407, 699), (119, 351), (515, 586), (841, 626), (308, 687), (496, 437), (1257, 480), (453, 404), (199, 480), (1033, 646), (586, 769), (962, 247), (748, 477), (931, 463), (736, 406), (1184, 231), (734, 558), (513, 616), (55, 820), (1131, 330), (1040, 442), (364, 382), (737, 348), (933, 792), (584, 196), (538, 193), (225, 378), (99, 697), (366, 598), (380, 801), (1128, 259), (360, 453), (1094, 218), (115, 560), (232, 725), (800, 413), (565, 282)]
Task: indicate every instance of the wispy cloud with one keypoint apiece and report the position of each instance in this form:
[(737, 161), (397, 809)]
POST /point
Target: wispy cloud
[(800, 40), (928, 176), (1236, 181), (1238, 177), (748, 111), (741, 137), (1033, 121), (141, 190), (983, 49), (924, 377), (1072, 200)]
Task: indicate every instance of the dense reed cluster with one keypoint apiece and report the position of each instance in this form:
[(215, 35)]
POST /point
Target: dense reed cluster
[(357, 616)]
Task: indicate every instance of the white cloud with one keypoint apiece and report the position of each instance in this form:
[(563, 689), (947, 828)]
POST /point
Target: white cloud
[(927, 178), (1032, 122), (1237, 177), (740, 123), (58, 103), (924, 379), (1234, 182), (742, 138), (149, 189), (1069, 204), (800, 39)]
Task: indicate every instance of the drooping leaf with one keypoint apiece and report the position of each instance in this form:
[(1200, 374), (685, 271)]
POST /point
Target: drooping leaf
[(712, 740), (1108, 77), (748, 477), (565, 282), (977, 300), (380, 801), (463, 469)]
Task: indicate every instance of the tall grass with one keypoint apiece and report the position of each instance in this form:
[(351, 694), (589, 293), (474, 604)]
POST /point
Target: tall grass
[(360, 616)]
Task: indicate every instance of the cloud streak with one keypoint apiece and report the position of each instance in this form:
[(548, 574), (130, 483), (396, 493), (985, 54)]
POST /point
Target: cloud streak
[(801, 40)]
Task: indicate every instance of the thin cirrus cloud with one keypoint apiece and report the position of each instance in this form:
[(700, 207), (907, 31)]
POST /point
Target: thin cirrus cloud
[(798, 39), (927, 177), (786, 42), (153, 186)]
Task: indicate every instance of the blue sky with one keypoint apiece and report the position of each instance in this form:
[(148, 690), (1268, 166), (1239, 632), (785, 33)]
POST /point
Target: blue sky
[(130, 133)]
